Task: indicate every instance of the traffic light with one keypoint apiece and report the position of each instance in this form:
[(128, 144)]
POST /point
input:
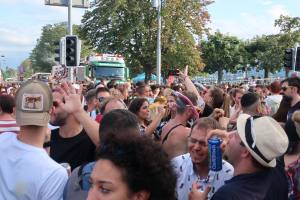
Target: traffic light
[(297, 65), (73, 46), (288, 58), (60, 51)]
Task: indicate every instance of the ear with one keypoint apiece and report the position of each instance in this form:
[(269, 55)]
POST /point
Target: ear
[(295, 90), (142, 195), (245, 153), (95, 100), (51, 110), (189, 112)]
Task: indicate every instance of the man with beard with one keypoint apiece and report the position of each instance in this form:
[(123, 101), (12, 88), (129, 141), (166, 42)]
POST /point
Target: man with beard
[(194, 167), (255, 150), (70, 142), (290, 88)]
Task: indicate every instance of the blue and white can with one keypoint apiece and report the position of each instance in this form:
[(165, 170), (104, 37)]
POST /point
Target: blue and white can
[(215, 154)]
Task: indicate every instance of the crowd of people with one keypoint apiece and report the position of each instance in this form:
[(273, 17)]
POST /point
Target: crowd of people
[(149, 142)]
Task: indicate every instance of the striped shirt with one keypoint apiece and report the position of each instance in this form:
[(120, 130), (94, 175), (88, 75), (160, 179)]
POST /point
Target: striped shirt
[(9, 126)]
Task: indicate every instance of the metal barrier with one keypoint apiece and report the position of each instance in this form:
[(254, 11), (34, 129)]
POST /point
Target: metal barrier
[(263, 81)]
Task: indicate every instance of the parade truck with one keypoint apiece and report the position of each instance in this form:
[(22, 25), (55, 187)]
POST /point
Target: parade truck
[(108, 67)]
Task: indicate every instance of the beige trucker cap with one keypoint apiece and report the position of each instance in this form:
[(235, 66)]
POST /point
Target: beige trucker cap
[(33, 103)]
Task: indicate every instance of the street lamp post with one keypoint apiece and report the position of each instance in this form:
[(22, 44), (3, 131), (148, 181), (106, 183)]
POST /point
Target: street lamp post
[(2, 61), (157, 4), (70, 30)]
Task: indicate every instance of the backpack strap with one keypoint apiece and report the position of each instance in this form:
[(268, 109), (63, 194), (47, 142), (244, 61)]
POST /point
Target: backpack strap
[(168, 133)]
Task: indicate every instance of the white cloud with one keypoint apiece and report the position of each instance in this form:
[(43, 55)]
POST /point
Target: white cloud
[(276, 10), (16, 36), (246, 26), (18, 33)]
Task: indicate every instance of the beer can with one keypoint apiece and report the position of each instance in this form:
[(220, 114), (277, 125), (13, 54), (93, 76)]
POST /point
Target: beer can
[(215, 154), (67, 167)]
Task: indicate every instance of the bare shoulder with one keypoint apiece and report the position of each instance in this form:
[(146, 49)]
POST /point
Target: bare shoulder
[(184, 130)]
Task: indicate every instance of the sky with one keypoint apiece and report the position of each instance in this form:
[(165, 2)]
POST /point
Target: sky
[(21, 22)]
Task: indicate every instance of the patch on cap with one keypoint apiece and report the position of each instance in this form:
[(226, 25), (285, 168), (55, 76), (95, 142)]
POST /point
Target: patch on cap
[(32, 102)]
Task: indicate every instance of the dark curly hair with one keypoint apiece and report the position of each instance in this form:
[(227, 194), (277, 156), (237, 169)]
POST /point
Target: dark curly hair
[(120, 122), (136, 104), (144, 166)]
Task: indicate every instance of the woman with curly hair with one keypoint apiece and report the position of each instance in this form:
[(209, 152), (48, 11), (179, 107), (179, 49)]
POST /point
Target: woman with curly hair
[(140, 107), (135, 168)]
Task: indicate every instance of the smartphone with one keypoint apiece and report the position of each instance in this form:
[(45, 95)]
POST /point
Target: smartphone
[(173, 72)]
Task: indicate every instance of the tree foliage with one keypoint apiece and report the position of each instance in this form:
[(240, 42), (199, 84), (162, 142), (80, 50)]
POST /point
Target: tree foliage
[(221, 52), (27, 67), (129, 27), (288, 24), (267, 51)]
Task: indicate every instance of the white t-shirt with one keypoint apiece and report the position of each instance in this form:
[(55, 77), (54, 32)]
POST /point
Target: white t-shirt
[(27, 172), (186, 176)]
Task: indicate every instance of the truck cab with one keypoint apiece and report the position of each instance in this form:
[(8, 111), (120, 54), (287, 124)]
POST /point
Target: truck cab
[(107, 66)]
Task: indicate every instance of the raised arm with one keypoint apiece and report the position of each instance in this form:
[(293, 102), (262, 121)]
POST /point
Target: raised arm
[(74, 106), (155, 122), (189, 84)]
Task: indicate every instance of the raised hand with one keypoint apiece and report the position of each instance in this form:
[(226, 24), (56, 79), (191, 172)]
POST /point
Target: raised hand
[(223, 135), (72, 97)]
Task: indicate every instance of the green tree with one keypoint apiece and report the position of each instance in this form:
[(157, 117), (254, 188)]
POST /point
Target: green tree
[(221, 52), (10, 73), (129, 27), (288, 24), (267, 51), (290, 32), (27, 67), (42, 56)]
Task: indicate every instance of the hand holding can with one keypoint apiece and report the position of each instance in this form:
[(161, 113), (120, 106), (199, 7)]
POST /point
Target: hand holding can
[(215, 154)]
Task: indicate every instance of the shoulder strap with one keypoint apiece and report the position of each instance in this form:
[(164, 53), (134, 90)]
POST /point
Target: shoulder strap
[(168, 133)]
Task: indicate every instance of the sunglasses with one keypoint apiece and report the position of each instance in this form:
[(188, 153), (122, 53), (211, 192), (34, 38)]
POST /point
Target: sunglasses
[(285, 88), (100, 99)]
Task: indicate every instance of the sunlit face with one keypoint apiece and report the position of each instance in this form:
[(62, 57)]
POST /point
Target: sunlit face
[(107, 183), (233, 148), (147, 91), (259, 91), (286, 89), (207, 97), (237, 98), (58, 115), (171, 102), (101, 96), (144, 111), (197, 146)]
